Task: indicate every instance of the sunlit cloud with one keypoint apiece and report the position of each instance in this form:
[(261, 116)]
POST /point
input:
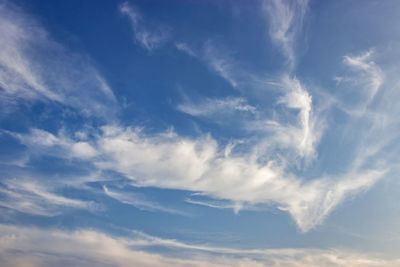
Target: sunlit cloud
[(24, 246), (169, 161)]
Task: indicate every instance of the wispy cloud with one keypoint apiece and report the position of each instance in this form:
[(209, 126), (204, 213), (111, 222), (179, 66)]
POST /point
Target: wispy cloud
[(367, 95), (23, 246), (139, 201), (170, 161), (215, 204), (210, 107), (41, 141), (217, 60), (184, 47), (257, 173), (369, 76), (32, 197), (149, 35), (220, 63), (244, 177), (285, 23), (299, 132), (34, 67)]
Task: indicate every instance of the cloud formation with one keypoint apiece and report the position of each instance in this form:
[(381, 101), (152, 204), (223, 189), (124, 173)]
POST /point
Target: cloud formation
[(214, 107), (24, 246), (139, 201), (285, 23), (218, 60), (367, 79), (168, 160), (149, 36), (28, 195), (265, 169), (255, 173), (35, 67)]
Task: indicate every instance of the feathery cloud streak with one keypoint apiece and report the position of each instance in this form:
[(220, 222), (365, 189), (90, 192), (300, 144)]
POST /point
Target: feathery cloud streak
[(138, 201), (28, 195), (285, 23), (212, 107), (149, 37), (35, 67)]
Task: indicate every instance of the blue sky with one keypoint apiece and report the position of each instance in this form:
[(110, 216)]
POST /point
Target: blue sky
[(199, 133)]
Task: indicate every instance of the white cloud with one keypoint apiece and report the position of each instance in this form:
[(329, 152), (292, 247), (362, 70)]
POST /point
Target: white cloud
[(36, 247), (250, 174), (216, 59), (170, 161), (235, 206), (220, 63), (184, 47), (285, 22), (35, 67), (139, 201), (210, 107), (300, 132), (42, 140), (29, 196), (23, 246), (149, 36), (368, 95), (370, 77), (83, 150), (167, 160)]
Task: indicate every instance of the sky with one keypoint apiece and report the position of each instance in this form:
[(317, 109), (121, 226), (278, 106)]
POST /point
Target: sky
[(199, 133)]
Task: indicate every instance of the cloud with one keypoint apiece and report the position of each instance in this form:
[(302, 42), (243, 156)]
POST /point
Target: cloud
[(184, 47), (28, 195), (285, 22), (367, 95), (294, 128), (210, 107), (299, 132), (139, 201), (236, 207), (34, 67), (149, 36), (43, 141), (220, 63), (218, 60), (36, 247), (254, 174), (262, 170), (167, 160), (24, 246), (368, 75)]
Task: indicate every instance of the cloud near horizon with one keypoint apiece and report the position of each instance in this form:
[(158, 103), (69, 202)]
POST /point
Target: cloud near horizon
[(90, 247)]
